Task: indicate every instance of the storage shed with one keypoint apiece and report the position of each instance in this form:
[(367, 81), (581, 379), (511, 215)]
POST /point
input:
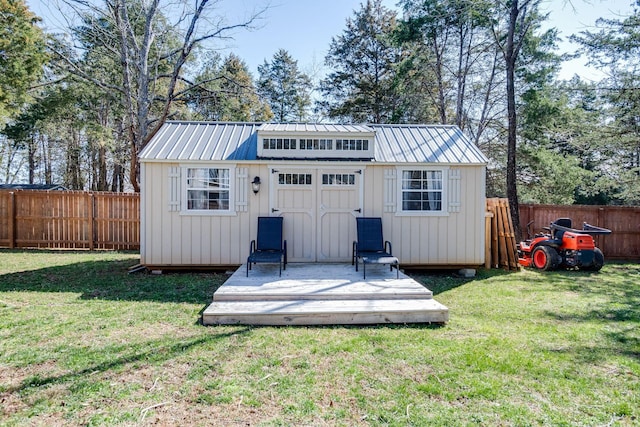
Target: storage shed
[(204, 184)]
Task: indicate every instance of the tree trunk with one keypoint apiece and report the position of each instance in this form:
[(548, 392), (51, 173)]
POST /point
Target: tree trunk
[(117, 182), (510, 56), (46, 159), (74, 171), (463, 70), (442, 101), (31, 148), (134, 176), (102, 168), (486, 107)]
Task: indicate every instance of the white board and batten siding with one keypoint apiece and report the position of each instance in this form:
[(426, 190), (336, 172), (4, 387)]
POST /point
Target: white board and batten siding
[(171, 238), (451, 239), (319, 218)]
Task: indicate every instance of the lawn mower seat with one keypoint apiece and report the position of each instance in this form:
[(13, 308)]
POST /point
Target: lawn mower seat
[(562, 222)]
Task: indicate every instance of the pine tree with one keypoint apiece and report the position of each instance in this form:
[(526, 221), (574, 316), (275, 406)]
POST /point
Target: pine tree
[(286, 89), (22, 55), (225, 92), (361, 85)]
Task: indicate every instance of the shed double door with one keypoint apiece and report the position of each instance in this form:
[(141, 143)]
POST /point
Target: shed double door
[(319, 207)]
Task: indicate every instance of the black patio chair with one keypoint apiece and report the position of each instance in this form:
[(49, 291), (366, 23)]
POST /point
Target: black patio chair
[(371, 248), (269, 246)]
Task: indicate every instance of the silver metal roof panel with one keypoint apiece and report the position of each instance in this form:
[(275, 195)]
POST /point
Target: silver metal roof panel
[(314, 127), (425, 144), (216, 141), (197, 141)]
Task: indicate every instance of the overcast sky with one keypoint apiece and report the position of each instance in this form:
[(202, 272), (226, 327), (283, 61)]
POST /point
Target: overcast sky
[(305, 27)]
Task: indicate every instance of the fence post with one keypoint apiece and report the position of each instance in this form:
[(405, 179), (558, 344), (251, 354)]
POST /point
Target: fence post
[(11, 219), (91, 215)]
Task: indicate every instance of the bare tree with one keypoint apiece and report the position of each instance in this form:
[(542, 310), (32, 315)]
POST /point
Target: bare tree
[(151, 52)]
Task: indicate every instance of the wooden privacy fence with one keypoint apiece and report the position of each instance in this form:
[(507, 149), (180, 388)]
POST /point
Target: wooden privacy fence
[(623, 221), (69, 219)]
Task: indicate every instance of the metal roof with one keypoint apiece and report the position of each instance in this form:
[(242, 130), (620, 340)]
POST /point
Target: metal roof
[(203, 141), (215, 141), (425, 144), (314, 127)]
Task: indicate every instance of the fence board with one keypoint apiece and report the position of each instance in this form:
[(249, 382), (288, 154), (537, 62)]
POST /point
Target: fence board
[(69, 220)]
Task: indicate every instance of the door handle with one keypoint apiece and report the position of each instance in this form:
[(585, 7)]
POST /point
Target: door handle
[(359, 210), (274, 210)]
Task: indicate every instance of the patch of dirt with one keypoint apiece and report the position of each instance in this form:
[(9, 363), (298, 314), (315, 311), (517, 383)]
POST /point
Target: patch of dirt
[(16, 381), (14, 377)]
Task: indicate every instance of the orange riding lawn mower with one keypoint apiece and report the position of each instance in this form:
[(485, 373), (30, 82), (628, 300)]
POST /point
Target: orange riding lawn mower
[(560, 246)]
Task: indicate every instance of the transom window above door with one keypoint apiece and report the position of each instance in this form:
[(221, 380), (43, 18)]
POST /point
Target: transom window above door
[(338, 179), (294, 179)]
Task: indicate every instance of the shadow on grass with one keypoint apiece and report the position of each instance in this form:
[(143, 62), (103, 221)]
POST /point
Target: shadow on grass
[(154, 352), (612, 297), (110, 280), (440, 281), (358, 327)]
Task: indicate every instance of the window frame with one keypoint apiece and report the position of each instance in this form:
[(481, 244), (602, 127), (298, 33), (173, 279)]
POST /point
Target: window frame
[(315, 145), (207, 212), (297, 184), (444, 191)]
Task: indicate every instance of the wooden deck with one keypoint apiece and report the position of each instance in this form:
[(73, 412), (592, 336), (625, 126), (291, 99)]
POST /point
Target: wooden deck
[(322, 294)]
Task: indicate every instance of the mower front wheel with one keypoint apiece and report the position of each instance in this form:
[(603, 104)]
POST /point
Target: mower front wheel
[(545, 258)]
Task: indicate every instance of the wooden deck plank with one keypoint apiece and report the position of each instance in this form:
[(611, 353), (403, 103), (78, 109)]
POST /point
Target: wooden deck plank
[(314, 312), (318, 281), (321, 294)]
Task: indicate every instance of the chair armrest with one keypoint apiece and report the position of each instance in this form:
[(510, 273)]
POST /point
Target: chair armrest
[(252, 248), (387, 244)]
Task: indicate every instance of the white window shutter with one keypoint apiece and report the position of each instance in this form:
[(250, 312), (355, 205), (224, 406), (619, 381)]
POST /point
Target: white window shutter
[(174, 188), (454, 190), (390, 190), (242, 182)]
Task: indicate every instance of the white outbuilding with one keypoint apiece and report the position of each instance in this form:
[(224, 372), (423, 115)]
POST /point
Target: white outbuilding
[(204, 184)]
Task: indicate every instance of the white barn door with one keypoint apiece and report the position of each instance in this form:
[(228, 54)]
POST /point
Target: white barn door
[(319, 207), (339, 203), (293, 198)]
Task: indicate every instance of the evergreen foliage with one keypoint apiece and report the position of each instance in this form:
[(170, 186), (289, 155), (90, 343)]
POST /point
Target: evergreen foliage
[(285, 88), (360, 87), (22, 55)]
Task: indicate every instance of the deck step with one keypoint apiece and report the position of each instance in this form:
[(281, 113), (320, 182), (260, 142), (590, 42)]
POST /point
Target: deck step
[(319, 282), (285, 290), (325, 312)]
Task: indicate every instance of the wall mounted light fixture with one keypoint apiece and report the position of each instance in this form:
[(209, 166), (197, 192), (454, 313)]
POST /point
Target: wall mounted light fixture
[(255, 185)]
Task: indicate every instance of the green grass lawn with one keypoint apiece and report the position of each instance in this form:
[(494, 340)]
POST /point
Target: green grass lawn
[(84, 343)]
